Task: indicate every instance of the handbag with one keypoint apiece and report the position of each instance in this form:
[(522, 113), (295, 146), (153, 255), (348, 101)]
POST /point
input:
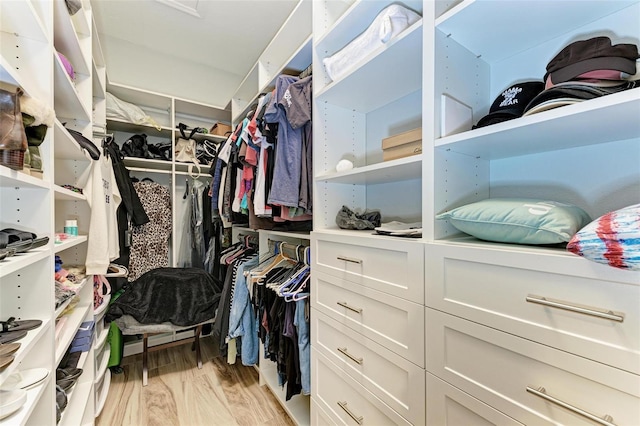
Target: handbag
[(13, 139), (186, 148)]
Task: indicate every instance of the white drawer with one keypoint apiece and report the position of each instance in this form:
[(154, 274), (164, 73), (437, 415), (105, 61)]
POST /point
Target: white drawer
[(491, 287), (449, 406), (382, 263), (318, 416), (344, 399), (503, 371), (396, 381), (395, 323)]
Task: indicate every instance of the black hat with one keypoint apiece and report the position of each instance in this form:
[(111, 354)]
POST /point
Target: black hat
[(511, 103), (596, 53), (575, 91)]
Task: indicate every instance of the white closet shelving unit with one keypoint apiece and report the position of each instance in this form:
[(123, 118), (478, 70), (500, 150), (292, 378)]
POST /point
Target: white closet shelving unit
[(459, 294), (367, 301), (32, 33), (476, 292)]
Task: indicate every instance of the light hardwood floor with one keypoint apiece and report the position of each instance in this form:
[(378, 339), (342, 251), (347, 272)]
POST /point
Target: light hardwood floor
[(180, 394)]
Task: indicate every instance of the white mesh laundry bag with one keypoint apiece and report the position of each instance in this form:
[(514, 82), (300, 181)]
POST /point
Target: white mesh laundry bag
[(389, 23)]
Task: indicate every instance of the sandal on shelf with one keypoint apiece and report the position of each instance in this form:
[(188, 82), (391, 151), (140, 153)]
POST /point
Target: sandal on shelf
[(8, 348), (25, 379), (66, 384), (12, 325), (61, 398), (115, 270), (12, 336), (11, 401), (68, 373), (5, 360), (16, 235)]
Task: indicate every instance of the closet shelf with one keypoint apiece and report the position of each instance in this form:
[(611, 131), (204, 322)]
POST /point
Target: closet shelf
[(373, 82), (462, 22), (19, 261), (98, 85), (70, 242), (302, 235), (117, 125), (21, 417), (354, 22), (65, 146), (10, 76), (569, 126), (74, 319), (67, 41), (26, 345), (62, 307), (100, 340), (183, 168), (66, 98), (386, 172), (64, 194), (21, 18), (147, 164), (13, 178), (198, 137), (103, 366), (78, 400), (104, 391)]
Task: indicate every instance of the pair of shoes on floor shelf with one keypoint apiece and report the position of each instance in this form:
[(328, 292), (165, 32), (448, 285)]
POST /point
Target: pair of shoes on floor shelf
[(13, 392), (66, 377), (13, 241)]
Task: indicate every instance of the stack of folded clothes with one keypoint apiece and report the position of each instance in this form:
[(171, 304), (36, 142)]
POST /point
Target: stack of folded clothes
[(400, 229)]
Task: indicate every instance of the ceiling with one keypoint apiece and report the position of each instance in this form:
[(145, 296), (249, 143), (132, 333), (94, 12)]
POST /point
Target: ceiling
[(194, 49)]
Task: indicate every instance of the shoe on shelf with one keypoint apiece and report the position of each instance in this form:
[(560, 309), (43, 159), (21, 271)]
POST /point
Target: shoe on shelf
[(11, 401), (61, 398), (12, 325), (8, 348), (114, 270), (68, 373), (11, 336), (5, 360), (66, 384), (25, 379)]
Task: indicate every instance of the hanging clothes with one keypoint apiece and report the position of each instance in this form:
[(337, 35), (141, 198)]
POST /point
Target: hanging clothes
[(150, 242), (285, 187), (198, 248), (98, 183)]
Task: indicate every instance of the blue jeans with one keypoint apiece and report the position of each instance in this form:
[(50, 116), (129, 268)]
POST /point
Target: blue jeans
[(302, 326)]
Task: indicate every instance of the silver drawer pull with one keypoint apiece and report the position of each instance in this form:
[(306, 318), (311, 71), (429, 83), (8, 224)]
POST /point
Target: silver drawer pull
[(562, 305), (542, 393), (349, 259), (345, 305), (351, 357), (358, 419)]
